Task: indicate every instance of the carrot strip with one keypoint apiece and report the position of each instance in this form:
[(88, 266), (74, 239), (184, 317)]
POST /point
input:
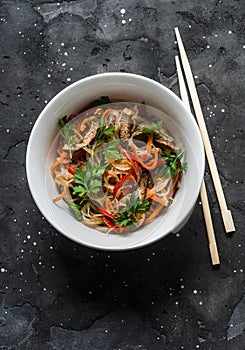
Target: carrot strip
[(154, 214), (58, 161), (150, 166), (63, 194), (149, 143), (150, 194)]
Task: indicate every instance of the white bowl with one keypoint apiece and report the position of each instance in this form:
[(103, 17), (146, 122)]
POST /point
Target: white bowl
[(129, 87)]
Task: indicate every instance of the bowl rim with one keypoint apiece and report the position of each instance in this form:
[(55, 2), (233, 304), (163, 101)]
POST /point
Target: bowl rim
[(32, 185)]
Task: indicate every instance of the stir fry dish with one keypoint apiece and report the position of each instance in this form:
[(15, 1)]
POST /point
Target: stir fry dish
[(116, 167)]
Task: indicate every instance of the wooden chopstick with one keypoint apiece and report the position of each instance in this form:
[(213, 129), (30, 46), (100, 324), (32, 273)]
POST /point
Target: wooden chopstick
[(226, 214), (203, 193)]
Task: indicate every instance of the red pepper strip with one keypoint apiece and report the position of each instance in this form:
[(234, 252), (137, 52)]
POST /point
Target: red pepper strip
[(71, 169), (120, 182), (106, 213), (130, 156), (81, 166), (110, 223), (150, 166)]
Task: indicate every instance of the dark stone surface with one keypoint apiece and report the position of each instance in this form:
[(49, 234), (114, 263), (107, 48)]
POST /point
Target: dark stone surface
[(58, 295)]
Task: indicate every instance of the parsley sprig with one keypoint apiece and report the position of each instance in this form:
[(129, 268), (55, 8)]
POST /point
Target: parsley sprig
[(153, 127), (100, 101), (88, 180), (103, 131), (135, 206), (173, 162), (76, 209), (111, 151)]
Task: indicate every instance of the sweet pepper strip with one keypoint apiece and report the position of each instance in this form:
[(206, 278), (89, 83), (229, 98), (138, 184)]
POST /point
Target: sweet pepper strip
[(120, 183)]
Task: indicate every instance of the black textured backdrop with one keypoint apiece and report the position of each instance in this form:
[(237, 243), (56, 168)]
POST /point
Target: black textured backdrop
[(55, 294)]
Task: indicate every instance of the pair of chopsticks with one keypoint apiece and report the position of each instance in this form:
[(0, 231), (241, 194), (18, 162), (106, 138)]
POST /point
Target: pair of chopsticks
[(225, 213)]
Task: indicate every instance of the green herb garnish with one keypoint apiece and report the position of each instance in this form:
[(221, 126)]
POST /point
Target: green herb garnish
[(135, 206), (88, 180), (62, 122), (111, 152), (76, 209), (103, 100), (103, 132), (173, 162), (153, 127)]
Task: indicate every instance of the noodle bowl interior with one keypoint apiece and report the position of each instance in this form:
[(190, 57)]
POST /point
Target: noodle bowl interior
[(116, 166)]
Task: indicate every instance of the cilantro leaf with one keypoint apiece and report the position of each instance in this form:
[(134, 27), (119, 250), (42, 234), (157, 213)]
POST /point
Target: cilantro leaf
[(153, 127), (173, 162), (111, 152), (76, 209), (88, 180), (100, 101), (134, 206), (103, 131)]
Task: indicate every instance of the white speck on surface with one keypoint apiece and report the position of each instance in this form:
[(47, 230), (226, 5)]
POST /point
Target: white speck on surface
[(34, 243), (196, 76), (208, 47), (234, 271), (3, 269), (230, 32), (177, 235), (68, 79), (130, 19), (7, 130), (51, 247), (122, 11), (210, 65), (182, 286), (63, 64), (189, 26), (123, 21), (200, 302), (195, 291), (28, 237), (65, 53), (62, 44)]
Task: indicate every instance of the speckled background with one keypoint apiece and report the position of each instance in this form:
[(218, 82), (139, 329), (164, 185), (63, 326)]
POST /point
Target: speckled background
[(55, 294)]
